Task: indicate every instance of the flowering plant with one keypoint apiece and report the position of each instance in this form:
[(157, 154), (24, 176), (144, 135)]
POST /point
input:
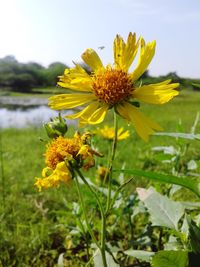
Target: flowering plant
[(110, 87)]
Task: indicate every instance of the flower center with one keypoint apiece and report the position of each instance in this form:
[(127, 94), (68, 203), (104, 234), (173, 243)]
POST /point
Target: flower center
[(112, 86), (59, 149)]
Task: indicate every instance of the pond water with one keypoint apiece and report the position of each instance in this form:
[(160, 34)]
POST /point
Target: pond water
[(25, 114)]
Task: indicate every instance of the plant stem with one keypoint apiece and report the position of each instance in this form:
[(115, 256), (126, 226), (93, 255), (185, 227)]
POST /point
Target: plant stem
[(119, 189), (84, 213), (103, 218), (112, 157), (2, 170)]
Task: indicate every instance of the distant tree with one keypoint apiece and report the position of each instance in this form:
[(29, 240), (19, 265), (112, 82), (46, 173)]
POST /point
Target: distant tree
[(53, 71), (37, 72), (9, 58), (23, 82), (18, 76), (23, 77)]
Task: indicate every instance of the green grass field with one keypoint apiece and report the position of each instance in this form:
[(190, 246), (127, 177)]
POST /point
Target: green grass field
[(35, 225)]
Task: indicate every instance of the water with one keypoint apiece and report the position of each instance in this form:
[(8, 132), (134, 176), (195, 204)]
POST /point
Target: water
[(22, 101), (24, 113)]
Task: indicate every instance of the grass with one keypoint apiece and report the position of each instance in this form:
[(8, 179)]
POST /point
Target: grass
[(34, 226)]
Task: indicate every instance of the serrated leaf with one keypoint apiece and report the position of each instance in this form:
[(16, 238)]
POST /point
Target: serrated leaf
[(168, 258), (163, 211), (140, 254)]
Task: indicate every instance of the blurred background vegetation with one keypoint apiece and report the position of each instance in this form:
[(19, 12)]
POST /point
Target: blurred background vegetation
[(23, 77)]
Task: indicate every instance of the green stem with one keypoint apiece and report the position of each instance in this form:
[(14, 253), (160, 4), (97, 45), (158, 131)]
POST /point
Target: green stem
[(2, 170), (103, 218), (112, 157), (92, 191), (84, 213), (119, 189)]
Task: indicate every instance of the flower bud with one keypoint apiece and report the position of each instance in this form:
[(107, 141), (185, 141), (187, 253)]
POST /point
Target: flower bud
[(56, 127)]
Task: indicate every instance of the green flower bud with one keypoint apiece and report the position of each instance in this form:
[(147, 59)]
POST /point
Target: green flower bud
[(56, 127)]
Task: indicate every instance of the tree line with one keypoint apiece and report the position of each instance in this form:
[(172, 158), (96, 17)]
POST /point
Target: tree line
[(23, 77)]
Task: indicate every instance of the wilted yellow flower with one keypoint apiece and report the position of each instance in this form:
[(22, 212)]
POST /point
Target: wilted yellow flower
[(108, 133), (62, 155), (114, 87), (60, 174)]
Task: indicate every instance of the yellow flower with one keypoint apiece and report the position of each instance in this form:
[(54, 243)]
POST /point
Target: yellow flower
[(114, 87), (62, 155), (108, 133), (60, 174)]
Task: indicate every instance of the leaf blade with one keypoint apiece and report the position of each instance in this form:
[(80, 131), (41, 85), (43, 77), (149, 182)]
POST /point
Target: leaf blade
[(163, 211), (170, 258), (193, 185)]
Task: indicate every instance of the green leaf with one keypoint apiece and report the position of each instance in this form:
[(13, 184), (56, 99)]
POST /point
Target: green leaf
[(189, 136), (194, 235), (167, 258), (140, 254), (193, 185), (163, 211)]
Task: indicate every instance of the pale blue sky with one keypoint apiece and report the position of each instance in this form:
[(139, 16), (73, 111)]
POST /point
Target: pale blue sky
[(60, 30)]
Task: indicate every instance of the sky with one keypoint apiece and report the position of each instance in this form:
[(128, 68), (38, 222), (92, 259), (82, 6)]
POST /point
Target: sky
[(46, 31)]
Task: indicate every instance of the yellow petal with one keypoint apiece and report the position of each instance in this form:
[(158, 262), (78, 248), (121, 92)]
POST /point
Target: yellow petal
[(91, 58), (122, 135), (159, 93), (99, 115), (143, 125), (66, 101), (76, 79), (124, 53), (118, 49), (60, 174), (82, 122), (86, 112), (146, 54), (63, 172), (162, 83), (120, 131)]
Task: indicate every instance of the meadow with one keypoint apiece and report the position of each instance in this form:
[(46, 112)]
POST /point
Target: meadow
[(40, 228)]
